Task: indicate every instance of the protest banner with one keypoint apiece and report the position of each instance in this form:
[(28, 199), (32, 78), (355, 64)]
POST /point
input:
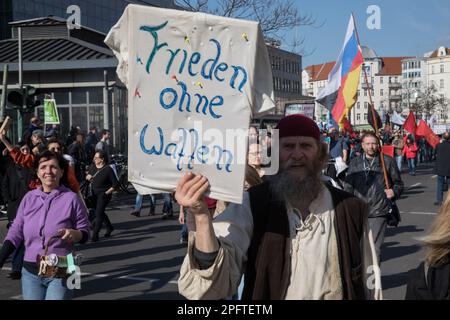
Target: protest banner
[(50, 112), (194, 80)]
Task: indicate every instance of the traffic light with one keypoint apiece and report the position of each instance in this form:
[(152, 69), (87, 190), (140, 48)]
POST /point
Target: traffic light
[(23, 100)]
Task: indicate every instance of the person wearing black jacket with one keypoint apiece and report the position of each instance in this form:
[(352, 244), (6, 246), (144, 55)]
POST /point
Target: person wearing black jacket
[(442, 167), (365, 179), (104, 181), (14, 187), (78, 153), (431, 280)]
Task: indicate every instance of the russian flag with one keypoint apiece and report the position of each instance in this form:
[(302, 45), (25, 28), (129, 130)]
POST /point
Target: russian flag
[(339, 95)]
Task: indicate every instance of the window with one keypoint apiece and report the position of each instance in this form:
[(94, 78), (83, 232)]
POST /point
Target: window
[(358, 105), (358, 117), (365, 116), (442, 84), (381, 80), (442, 68), (365, 105), (432, 69), (79, 117), (381, 92), (365, 92), (79, 96)]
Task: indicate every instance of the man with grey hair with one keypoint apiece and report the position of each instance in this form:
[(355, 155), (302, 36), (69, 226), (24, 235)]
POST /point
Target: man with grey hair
[(293, 237)]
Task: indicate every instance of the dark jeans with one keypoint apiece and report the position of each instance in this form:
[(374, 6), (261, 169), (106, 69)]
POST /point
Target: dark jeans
[(102, 201), (440, 188)]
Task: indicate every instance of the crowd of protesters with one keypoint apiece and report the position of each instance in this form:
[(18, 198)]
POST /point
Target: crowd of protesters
[(331, 200)]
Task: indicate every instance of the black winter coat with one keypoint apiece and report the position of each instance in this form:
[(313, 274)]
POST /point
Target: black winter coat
[(369, 185), (14, 187), (435, 287), (443, 159)]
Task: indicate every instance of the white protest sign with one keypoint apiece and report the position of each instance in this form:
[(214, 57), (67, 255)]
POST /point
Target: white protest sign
[(194, 81)]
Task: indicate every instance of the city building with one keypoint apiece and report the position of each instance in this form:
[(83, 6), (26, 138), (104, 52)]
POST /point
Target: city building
[(74, 67), (383, 80), (99, 15), (286, 69), (438, 76), (414, 75)]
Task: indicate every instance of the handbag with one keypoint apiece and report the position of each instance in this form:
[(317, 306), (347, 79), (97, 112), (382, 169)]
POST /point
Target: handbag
[(88, 192), (393, 217)]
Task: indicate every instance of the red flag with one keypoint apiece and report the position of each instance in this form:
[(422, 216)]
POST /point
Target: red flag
[(410, 123), (388, 150), (348, 126), (425, 131), (422, 129)]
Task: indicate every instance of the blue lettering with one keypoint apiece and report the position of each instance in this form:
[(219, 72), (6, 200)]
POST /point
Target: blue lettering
[(235, 75), (176, 151), (214, 61), (220, 158), (221, 67), (173, 54), (201, 99), (203, 150), (153, 149), (172, 153), (195, 58), (215, 104), (184, 94), (180, 70), (156, 46), (174, 98)]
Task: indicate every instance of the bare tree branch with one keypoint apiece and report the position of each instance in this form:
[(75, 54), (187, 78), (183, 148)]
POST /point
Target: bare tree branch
[(274, 16)]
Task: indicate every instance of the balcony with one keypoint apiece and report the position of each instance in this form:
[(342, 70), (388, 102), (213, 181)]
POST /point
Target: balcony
[(395, 85), (395, 97), (364, 85)]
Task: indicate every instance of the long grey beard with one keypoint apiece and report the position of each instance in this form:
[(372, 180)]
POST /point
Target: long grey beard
[(297, 192)]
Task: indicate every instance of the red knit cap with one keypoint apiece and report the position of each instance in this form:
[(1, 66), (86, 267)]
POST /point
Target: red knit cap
[(298, 125)]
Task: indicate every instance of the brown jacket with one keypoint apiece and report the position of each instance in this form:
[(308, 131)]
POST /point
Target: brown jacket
[(268, 268)]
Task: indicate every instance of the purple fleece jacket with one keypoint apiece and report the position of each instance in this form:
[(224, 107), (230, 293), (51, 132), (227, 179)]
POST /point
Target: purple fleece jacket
[(41, 215)]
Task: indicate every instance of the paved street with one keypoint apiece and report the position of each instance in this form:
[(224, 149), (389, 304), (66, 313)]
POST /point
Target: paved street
[(142, 258)]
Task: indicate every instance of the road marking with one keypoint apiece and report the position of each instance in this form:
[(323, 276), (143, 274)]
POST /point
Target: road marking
[(105, 275), (415, 185), (424, 213), (86, 274)]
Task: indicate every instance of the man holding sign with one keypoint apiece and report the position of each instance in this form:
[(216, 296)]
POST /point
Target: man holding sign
[(293, 237)]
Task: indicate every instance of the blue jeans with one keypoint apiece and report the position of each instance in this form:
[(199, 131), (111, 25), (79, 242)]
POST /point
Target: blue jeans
[(37, 288), (399, 160), (411, 165), (140, 198), (167, 207), (440, 189)]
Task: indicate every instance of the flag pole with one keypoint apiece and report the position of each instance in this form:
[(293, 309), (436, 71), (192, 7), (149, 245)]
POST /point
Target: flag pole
[(372, 108)]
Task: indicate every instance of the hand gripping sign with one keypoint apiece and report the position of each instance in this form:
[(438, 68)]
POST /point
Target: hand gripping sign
[(194, 82)]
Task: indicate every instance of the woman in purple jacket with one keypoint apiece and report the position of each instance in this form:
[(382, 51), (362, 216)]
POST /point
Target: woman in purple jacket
[(51, 217)]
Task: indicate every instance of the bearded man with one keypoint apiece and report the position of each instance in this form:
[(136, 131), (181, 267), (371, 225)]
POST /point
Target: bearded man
[(293, 237)]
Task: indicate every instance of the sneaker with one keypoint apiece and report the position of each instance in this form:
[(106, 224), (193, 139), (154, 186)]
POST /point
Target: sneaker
[(136, 213)]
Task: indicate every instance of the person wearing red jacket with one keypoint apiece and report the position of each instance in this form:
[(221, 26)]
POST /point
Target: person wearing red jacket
[(410, 151)]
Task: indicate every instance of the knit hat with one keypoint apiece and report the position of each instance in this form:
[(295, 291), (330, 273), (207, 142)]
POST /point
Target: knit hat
[(298, 125)]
